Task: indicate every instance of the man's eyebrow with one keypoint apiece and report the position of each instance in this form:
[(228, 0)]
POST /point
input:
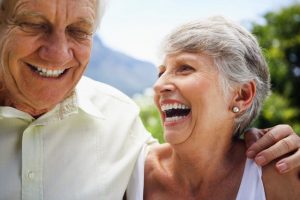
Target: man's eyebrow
[(85, 21), (30, 14), (33, 15), (81, 20)]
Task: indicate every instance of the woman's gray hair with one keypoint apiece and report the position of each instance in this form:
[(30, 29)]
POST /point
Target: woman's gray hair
[(236, 54)]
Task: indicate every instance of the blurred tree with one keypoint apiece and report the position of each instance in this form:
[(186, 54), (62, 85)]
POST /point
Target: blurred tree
[(149, 114), (279, 37), (152, 121)]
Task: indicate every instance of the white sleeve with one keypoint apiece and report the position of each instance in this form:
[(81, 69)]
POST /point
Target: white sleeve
[(135, 188)]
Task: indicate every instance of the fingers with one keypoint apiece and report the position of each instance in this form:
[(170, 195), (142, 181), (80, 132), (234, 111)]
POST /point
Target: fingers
[(276, 142), (289, 163), (252, 135), (282, 147), (271, 136)]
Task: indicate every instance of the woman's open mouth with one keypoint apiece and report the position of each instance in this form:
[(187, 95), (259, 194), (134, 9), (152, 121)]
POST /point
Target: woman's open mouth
[(175, 111)]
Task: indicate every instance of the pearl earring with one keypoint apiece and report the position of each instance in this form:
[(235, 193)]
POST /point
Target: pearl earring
[(235, 109)]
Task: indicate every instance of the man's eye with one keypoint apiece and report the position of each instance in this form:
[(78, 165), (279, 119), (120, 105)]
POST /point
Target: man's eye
[(78, 34), (34, 27)]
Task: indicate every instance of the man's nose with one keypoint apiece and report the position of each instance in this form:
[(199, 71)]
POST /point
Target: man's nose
[(56, 48)]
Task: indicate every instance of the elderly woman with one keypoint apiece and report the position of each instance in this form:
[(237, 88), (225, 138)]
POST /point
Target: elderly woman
[(211, 86)]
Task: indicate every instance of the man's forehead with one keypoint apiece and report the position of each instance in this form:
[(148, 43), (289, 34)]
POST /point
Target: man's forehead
[(48, 6), (13, 3)]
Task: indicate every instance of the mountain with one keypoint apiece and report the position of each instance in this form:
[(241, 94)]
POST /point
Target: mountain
[(128, 74)]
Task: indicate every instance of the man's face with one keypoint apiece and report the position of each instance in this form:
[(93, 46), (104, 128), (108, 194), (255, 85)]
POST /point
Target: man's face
[(45, 47)]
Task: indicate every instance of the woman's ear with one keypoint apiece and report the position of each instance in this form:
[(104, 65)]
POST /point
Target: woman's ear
[(244, 96)]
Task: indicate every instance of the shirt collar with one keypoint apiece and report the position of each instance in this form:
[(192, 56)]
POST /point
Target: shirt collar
[(10, 112), (84, 102), (77, 100)]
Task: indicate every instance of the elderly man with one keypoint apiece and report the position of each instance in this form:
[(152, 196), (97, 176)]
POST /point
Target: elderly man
[(64, 136)]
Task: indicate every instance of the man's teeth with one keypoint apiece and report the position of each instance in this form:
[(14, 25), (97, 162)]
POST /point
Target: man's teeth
[(48, 72)]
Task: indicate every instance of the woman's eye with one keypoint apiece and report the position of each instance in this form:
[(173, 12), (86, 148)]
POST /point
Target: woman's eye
[(185, 69), (159, 74)]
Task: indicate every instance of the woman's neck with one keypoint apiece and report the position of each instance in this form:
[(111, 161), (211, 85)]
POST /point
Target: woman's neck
[(207, 163), (208, 170)]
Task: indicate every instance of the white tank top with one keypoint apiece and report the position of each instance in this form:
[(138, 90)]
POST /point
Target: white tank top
[(251, 187)]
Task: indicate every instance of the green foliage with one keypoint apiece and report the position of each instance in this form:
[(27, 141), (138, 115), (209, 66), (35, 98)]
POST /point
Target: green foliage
[(150, 115), (152, 122), (280, 39)]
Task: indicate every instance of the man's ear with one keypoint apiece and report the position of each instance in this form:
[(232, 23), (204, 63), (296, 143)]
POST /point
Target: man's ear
[(2, 12), (244, 95)]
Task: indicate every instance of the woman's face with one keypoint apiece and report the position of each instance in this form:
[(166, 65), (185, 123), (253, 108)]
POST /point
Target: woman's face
[(189, 96)]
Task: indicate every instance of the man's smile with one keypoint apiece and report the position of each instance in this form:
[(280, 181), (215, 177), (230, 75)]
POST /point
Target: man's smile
[(48, 73)]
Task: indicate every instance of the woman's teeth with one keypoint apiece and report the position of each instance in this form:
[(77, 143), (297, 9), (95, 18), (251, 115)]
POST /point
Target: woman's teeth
[(173, 119), (165, 107), (175, 112)]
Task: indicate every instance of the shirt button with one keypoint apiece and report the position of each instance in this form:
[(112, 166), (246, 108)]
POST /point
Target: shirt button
[(30, 175)]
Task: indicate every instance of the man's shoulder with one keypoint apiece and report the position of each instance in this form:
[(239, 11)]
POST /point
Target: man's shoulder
[(103, 96), (95, 88)]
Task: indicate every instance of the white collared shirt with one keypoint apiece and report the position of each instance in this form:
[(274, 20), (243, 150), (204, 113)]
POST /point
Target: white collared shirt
[(85, 148)]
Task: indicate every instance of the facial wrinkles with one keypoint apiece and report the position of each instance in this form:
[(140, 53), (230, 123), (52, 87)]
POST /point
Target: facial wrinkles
[(5, 79), (12, 8), (4, 57), (68, 9), (59, 12)]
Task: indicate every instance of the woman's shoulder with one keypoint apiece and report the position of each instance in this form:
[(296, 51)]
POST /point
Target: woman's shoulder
[(281, 186), (157, 158), (158, 174)]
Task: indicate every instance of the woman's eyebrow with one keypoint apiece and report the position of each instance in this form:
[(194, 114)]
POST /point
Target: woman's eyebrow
[(161, 67)]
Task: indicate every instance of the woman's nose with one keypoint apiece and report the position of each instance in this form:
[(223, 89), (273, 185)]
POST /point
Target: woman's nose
[(56, 48), (163, 84)]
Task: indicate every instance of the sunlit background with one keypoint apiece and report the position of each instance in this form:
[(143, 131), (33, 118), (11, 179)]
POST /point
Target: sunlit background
[(131, 30), (136, 27)]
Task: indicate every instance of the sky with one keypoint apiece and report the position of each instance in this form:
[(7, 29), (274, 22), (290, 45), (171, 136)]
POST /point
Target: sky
[(136, 27)]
